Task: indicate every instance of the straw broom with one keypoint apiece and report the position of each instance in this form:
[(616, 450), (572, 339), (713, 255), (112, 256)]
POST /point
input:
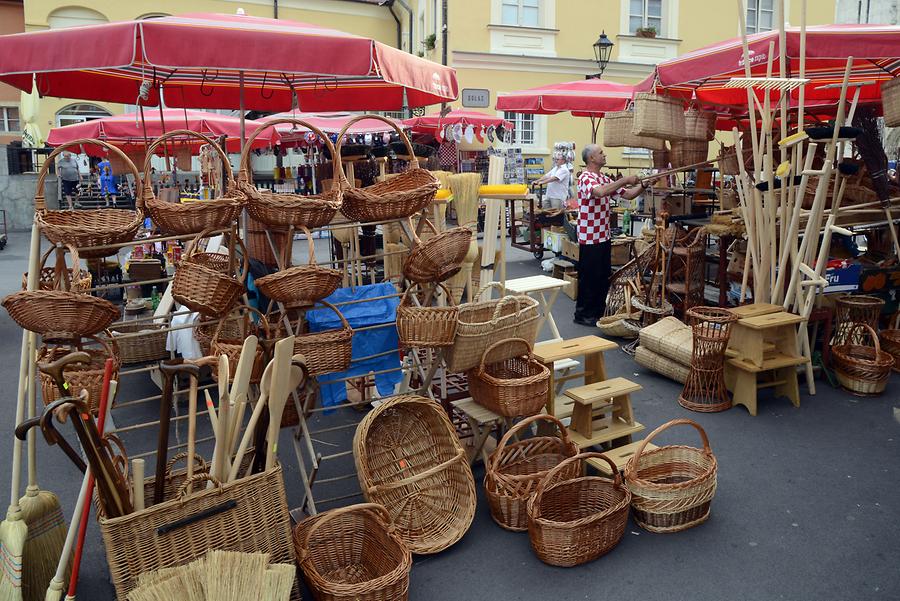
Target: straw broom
[(235, 576), (279, 582), (465, 198), (872, 152)]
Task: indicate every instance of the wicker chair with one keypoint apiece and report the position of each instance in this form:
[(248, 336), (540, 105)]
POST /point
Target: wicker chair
[(686, 279)]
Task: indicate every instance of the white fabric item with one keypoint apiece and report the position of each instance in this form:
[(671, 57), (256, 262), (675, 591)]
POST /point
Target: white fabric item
[(559, 190), (183, 341)]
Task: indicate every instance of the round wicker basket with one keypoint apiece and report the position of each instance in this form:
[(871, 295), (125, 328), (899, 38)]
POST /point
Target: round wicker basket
[(863, 370)]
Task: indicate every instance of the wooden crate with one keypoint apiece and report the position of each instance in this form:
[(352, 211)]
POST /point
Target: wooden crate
[(572, 289)]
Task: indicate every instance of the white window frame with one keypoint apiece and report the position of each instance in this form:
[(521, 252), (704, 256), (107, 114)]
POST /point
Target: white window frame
[(538, 143), (520, 11), (4, 120), (661, 31), (755, 7), (669, 29)]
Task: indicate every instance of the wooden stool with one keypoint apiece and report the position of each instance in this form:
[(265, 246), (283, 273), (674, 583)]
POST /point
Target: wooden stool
[(482, 421), (619, 456), (591, 347), (755, 309), (602, 412), (756, 338), (744, 379)]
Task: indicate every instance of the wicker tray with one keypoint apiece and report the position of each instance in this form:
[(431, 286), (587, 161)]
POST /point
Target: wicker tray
[(517, 386), (205, 290), (303, 284), (426, 327), (439, 257)]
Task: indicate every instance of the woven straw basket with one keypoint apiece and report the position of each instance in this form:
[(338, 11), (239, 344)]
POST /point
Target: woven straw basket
[(617, 128), (206, 289), (426, 327), (699, 125), (438, 258), (408, 458), (658, 116), (192, 217), (517, 386), (890, 101), (78, 375), (149, 346), (688, 152), (302, 284), (861, 369), (327, 351), (672, 486), (661, 365)]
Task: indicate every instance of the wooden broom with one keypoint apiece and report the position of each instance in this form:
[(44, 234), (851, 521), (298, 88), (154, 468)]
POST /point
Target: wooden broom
[(870, 148)]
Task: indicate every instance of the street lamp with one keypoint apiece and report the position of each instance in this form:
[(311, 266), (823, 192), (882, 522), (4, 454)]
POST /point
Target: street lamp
[(602, 50)]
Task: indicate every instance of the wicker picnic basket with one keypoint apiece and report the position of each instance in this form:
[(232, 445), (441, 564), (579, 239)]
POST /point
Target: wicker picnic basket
[(438, 258), (353, 554), (206, 290), (699, 124), (60, 277), (513, 387), (482, 323), (150, 345), (688, 152), (231, 344), (80, 376), (658, 116), (94, 228), (862, 369), (575, 518), (301, 284), (399, 196), (327, 351), (408, 458), (890, 340), (672, 486), (192, 217), (427, 327), (890, 102), (280, 209), (617, 128), (514, 469)]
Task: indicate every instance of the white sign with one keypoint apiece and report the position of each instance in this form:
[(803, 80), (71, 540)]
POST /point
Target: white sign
[(476, 98)]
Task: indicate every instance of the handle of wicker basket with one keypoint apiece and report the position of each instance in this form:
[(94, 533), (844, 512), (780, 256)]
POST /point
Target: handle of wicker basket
[(109, 344), (509, 298), (489, 286), (872, 334), (460, 456), (635, 459), (310, 245), (188, 483), (198, 459), (39, 201), (415, 237), (525, 423), (192, 247), (404, 300), (340, 176), (184, 133), (60, 271), (245, 173), (549, 480), (263, 322), (345, 324), (318, 521), (510, 341)]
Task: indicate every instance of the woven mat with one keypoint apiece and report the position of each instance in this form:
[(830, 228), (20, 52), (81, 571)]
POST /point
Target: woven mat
[(661, 365), (670, 338)]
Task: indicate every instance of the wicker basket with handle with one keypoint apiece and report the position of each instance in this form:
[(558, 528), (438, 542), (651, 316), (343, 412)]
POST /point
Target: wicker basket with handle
[(890, 101), (699, 124), (327, 351), (408, 458), (438, 258), (658, 116), (426, 327), (192, 217), (514, 469), (672, 486), (78, 375), (231, 344), (399, 196), (205, 290), (862, 369), (353, 554), (149, 346), (890, 340), (617, 128), (301, 284), (689, 152), (57, 277), (576, 518), (93, 228), (517, 386)]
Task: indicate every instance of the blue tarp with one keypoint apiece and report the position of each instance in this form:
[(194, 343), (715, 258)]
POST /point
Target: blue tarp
[(365, 343)]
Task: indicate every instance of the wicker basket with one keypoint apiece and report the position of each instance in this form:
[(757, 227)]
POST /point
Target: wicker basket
[(658, 116), (861, 369), (661, 157), (513, 471), (574, 518), (278, 209), (56, 278), (192, 217), (149, 346), (672, 486), (661, 364), (890, 341), (353, 554), (514, 387), (855, 309), (249, 515), (258, 243), (408, 458), (208, 291), (426, 327), (482, 323), (617, 128), (302, 284), (438, 258), (890, 101), (231, 344), (400, 196), (699, 125), (96, 227), (78, 375), (327, 351), (689, 152)]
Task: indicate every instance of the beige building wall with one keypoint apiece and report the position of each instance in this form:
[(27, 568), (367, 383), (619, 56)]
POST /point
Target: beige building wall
[(11, 21)]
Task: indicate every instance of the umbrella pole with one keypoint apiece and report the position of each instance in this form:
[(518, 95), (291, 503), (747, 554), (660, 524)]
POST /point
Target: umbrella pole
[(243, 141), (162, 122)]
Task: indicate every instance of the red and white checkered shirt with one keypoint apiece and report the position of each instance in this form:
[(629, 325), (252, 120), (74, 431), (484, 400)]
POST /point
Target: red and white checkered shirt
[(593, 213)]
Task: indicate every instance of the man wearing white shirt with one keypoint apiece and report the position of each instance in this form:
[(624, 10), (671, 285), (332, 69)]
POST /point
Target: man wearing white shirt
[(557, 180)]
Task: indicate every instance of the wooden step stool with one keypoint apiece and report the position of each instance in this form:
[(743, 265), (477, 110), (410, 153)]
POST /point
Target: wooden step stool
[(760, 337), (744, 378), (602, 412), (590, 347), (755, 309), (619, 456), (483, 421)]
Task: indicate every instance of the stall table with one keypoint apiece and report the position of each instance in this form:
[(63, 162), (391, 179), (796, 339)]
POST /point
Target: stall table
[(541, 286)]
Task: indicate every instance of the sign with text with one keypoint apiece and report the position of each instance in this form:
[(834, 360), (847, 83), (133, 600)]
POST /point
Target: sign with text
[(476, 98)]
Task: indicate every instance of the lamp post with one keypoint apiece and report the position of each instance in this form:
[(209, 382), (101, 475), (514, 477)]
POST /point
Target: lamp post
[(602, 50)]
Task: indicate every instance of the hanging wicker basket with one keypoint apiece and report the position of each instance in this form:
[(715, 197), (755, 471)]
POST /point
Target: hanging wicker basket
[(672, 486), (231, 344), (617, 128), (55, 278), (862, 369), (517, 386), (281, 209), (327, 351), (149, 346), (400, 196), (302, 284), (574, 518), (80, 376), (408, 459), (890, 101), (353, 554), (191, 217), (438, 258), (88, 228), (205, 290), (658, 116), (699, 124), (514, 469), (426, 327), (688, 152)]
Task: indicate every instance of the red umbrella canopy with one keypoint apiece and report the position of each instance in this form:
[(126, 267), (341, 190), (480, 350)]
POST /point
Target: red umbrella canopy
[(875, 50), (583, 97), (430, 123), (330, 123), (128, 130), (198, 60)]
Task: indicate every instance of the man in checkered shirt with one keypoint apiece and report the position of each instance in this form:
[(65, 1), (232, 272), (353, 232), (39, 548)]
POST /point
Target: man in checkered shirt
[(595, 191)]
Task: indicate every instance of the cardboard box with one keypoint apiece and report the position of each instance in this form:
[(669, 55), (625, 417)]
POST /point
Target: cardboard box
[(674, 203), (553, 238), (570, 249), (571, 289)]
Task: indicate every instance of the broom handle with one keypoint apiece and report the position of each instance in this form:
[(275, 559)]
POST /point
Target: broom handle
[(890, 220), (679, 169), (86, 511), (57, 584)]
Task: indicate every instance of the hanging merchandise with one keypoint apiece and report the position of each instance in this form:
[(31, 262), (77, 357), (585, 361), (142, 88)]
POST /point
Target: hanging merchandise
[(469, 134)]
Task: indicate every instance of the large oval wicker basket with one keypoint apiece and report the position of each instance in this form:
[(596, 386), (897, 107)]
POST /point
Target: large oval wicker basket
[(438, 258), (672, 486), (208, 290), (327, 351), (617, 128), (191, 217), (576, 518), (408, 458), (93, 228), (862, 369), (353, 554), (517, 386), (280, 209), (396, 197), (302, 284), (514, 469), (658, 116), (424, 326)]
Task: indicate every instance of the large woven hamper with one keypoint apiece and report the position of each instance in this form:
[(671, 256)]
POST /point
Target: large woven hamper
[(617, 133), (890, 101), (658, 116)]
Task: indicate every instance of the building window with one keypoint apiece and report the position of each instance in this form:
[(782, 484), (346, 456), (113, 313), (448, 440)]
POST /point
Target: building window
[(760, 15), (521, 13), (79, 113), (523, 130), (434, 16), (9, 119), (75, 16), (645, 14)]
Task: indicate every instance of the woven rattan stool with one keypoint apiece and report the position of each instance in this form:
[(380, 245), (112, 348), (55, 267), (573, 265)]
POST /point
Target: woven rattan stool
[(705, 387)]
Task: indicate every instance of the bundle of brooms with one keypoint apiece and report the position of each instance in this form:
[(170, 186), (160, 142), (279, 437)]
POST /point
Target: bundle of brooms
[(465, 199)]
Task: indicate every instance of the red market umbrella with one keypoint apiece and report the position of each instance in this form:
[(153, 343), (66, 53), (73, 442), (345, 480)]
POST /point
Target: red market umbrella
[(434, 121), (583, 97), (223, 61), (128, 130), (329, 123)]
